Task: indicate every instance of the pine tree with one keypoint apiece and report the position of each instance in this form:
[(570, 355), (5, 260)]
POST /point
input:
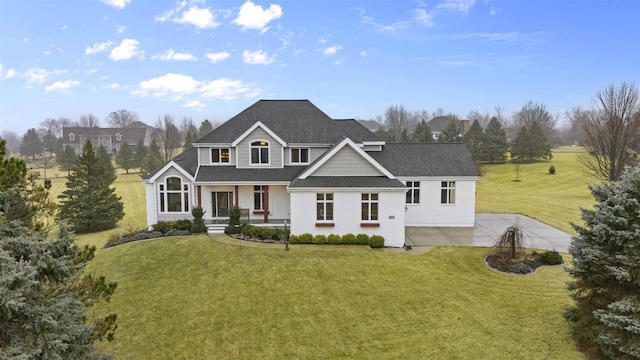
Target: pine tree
[(496, 144), (422, 132), (49, 143), (205, 128), (451, 133), (140, 154), (13, 170), (153, 159), (530, 144), (188, 139), (125, 158), (67, 159), (475, 141), (89, 203), (606, 271), (31, 144), (107, 164)]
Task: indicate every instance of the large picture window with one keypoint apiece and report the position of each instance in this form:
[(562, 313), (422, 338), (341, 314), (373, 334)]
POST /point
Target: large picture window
[(299, 156), (219, 155), (448, 192), (413, 192), (324, 207), (258, 197), (259, 152), (174, 195), (370, 207)]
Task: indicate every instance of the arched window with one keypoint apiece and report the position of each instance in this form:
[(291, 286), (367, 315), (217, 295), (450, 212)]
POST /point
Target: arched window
[(72, 137), (260, 152), (174, 195)]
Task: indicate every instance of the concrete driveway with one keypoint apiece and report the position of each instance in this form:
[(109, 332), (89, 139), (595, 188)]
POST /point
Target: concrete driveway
[(487, 230)]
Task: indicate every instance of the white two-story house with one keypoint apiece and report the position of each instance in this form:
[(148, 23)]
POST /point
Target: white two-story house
[(286, 160)]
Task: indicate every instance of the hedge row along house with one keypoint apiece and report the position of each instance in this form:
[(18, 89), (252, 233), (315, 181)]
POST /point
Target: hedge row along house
[(287, 161)]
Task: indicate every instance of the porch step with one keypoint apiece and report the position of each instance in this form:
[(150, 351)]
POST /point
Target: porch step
[(216, 228)]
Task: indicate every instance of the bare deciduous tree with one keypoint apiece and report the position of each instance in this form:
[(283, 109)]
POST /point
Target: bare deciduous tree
[(13, 141), (122, 118), (396, 118), (187, 125), (534, 112), (613, 128), (168, 136), (55, 126), (483, 119), (576, 118), (89, 121)]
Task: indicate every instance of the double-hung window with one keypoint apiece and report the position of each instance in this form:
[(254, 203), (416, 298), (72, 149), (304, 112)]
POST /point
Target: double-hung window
[(324, 207), (448, 192), (258, 197), (220, 155), (369, 207), (174, 195), (413, 192), (299, 156), (259, 152)]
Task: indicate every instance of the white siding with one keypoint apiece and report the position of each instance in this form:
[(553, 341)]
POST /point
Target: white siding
[(347, 207), (152, 209), (278, 201), (276, 155), (153, 205), (431, 213), (347, 162)]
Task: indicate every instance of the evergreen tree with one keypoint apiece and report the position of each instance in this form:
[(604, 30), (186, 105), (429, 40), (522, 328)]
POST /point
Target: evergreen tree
[(89, 203), (31, 144), (205, 128), (13, 170), (422, 132), (67, 159), (475, 141), (58, 148), (451, 133), (49, 143), (140, 154), (606, 271), (125, 158), (43, 307), (153, 159), (530, 144), (107, 164), (188, 139), (496, 144)]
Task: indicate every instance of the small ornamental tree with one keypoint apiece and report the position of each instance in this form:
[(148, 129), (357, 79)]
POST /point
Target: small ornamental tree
[(89, 203), (198, 220), (125, 158), (606, 271)]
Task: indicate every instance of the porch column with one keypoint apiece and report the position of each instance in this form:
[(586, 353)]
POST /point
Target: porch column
[(199, 190), (266, 203), (236, 197)]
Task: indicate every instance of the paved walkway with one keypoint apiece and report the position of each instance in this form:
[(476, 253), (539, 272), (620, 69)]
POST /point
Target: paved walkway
[(487, 230)]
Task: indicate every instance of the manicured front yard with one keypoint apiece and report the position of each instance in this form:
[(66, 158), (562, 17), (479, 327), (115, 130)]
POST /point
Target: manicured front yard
[(196, 298)]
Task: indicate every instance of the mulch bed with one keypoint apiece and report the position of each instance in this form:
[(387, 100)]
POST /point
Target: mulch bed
[(494, 262)]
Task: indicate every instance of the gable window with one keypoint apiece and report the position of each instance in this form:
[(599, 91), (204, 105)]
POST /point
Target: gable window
[(413, 192), (448, 192), (259, 152), (174, 195), (72, 137), (219, 155), (324, 207), (299, 156), (369, 207), (118, 137), (258, 197)]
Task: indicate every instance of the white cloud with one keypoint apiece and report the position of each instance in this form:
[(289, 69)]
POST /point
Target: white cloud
[(64, 27), (38, 75), (168, 84), (202, 18), (62, 86), (118, 4), (217, 57), (257, 57), (120, 29), (127, 49), (47, 52), (492, 11), (424, 17), (364, 53), (331, 50), (396, 26), (172, 55), (98, 47), (8, 75), (112, 86), (227, 89), (195, 104), (456, 5), (323, 41), (253, 16)]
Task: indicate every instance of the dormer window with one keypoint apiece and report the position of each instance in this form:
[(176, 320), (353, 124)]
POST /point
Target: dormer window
[(299, 156), (220, 155), (118, 137), (260, 152), (72, 137)]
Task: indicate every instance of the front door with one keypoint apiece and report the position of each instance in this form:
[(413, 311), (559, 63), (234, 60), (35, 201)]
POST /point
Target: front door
[(221, 203)]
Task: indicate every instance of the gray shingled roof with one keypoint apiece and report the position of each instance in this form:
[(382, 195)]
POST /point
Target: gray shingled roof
[(426, 159), (294, 121), (188, 161), (356, 131), (130, 135), (438, 123), (347, 182), (230, 173)]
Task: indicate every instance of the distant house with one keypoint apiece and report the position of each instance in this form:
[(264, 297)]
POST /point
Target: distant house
[(439, 123), (286, 161), (110, 138)]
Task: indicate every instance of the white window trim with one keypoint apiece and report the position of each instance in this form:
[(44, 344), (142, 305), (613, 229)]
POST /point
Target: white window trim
[(411, 189), (300, 150), (72, 137), (164, 193), (118, 137), (324, 202), (370, 201), (220, 153), (449, 190), (251, 163)]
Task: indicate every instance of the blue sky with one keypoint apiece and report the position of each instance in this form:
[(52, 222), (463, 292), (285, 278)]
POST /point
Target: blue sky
[(353, 59)]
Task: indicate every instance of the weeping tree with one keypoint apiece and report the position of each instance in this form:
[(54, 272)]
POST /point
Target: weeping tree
[(511, 243)]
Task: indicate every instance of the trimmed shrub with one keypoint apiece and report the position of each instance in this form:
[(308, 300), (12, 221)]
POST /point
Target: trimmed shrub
[(306, 238), (162, 226), (334, 239), (520, 268), (183, 224), (319, 239), (550, 258), (294, 239), (198, 220), (348, 239), (147, 235), (552, 170), (362, 239), (234, 221), (177, 232), (376, 241)]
